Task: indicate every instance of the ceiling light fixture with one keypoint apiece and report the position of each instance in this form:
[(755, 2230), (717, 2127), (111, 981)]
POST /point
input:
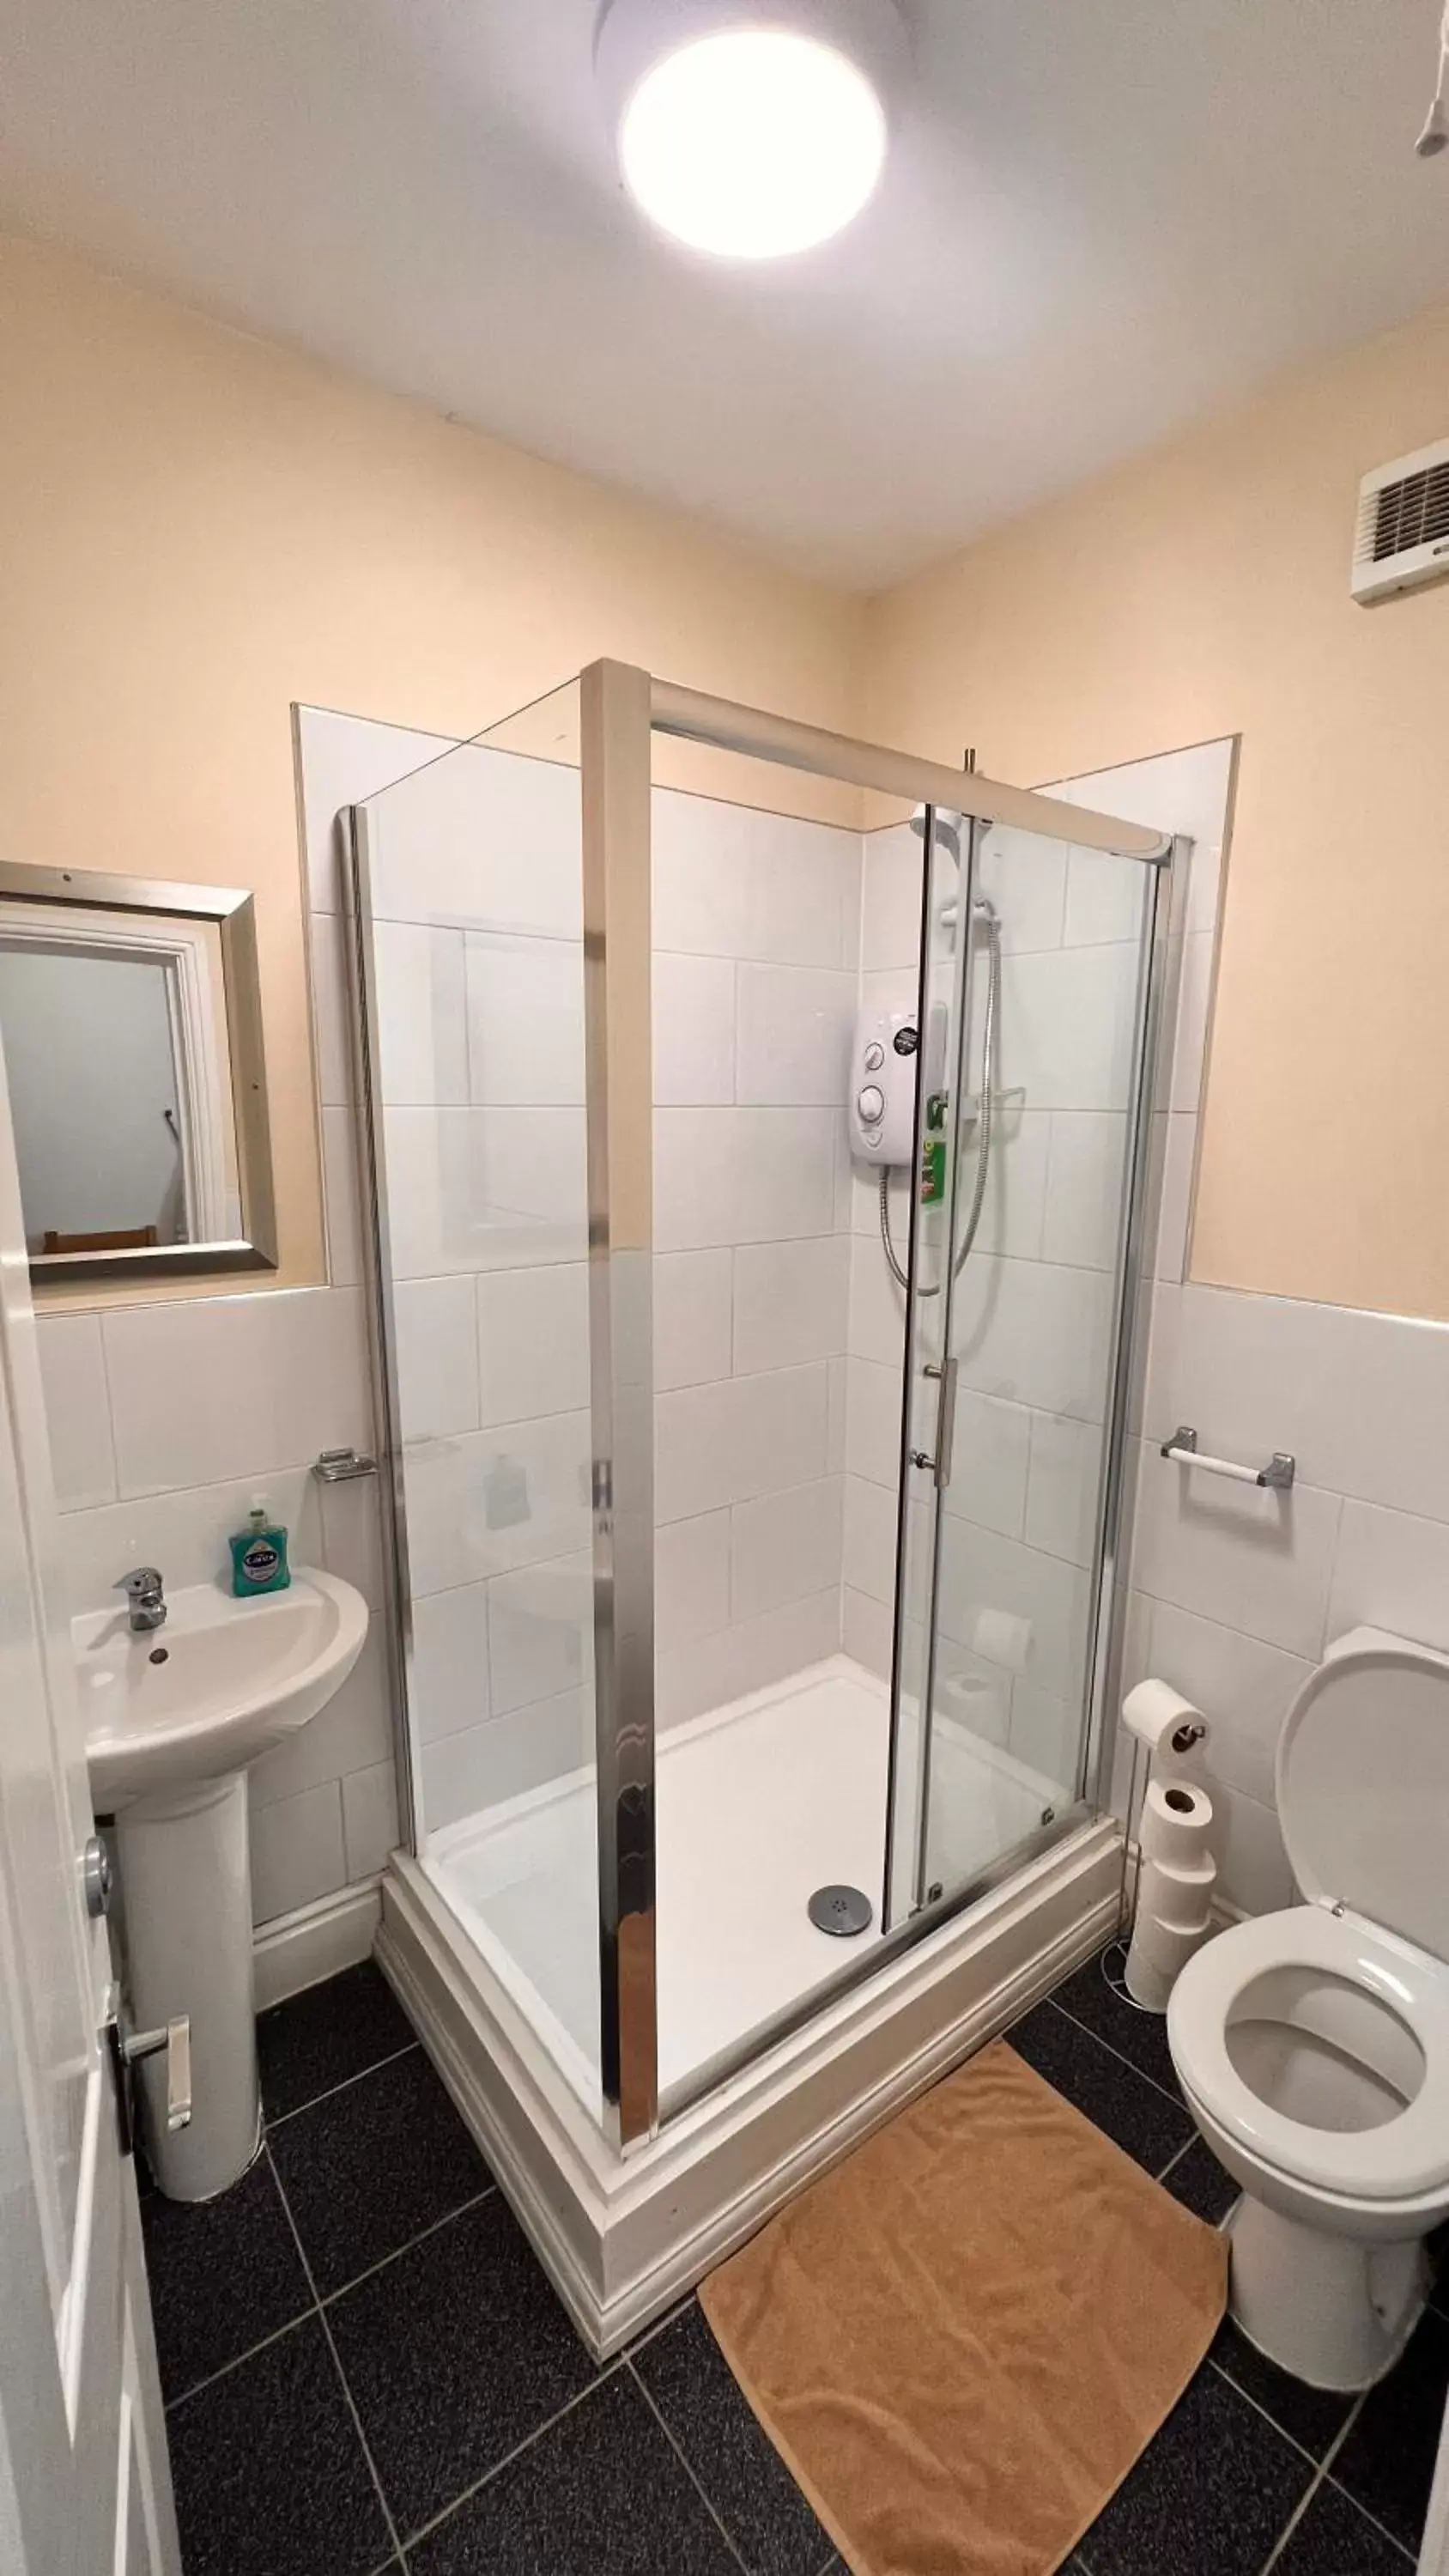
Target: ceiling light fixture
[(747, 129)]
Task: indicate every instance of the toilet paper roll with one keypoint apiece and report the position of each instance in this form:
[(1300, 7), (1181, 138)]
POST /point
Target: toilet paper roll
[(1154, 1712), (1179, 1897), (1148, 1986), (1162, 1946), (1177, 1819), (1002, 1638)]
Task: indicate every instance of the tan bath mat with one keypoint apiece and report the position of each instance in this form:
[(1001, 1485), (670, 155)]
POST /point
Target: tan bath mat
[(962, 2338)]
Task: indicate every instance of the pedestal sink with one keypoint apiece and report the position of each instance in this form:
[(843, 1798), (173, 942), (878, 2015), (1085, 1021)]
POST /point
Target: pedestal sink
[(173, 1719)]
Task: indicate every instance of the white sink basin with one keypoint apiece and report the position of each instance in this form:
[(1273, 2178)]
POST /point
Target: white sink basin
[(214, 1689)]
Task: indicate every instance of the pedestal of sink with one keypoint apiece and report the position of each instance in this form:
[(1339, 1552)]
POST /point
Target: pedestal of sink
[(183, 1865)]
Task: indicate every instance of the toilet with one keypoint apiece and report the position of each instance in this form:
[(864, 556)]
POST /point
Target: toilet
[(1312, 2046)]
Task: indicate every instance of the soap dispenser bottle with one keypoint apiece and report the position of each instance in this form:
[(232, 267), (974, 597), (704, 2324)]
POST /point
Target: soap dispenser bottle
[(259, 1554)]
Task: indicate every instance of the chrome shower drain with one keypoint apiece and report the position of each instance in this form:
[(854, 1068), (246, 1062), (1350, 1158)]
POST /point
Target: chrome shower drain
[(842, 1910)]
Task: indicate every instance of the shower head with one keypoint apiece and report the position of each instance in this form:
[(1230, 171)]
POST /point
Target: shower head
[(948, 831)]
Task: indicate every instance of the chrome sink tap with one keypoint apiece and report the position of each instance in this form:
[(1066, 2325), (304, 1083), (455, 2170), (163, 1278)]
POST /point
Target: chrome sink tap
[(142, 1587)]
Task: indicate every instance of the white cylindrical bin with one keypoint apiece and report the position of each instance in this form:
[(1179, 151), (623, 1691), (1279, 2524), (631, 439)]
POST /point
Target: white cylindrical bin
[(182, 1861)]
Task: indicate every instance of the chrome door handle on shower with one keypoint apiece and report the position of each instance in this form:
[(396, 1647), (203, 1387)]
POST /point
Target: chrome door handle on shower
[(940, 1465)]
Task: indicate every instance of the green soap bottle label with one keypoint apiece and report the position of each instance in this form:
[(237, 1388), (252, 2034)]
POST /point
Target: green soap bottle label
[(933, 1170)]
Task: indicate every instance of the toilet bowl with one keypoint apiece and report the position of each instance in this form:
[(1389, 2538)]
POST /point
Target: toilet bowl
[(1312, 2045)]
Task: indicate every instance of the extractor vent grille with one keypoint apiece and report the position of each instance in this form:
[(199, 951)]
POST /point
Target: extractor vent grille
[(1402, 536)]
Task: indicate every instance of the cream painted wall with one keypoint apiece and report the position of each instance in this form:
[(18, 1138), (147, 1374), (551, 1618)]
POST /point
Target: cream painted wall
[(198, 528), (1204, 591)]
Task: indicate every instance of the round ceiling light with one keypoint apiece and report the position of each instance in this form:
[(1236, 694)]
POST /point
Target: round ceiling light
[(745, 129)]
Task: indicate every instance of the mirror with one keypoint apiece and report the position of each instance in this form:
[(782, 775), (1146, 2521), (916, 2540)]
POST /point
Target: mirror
[(131, 1026)]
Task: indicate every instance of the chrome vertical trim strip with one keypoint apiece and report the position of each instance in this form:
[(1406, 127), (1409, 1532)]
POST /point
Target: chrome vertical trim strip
[(1106, 1592), (619, 1116), (377, 1282)]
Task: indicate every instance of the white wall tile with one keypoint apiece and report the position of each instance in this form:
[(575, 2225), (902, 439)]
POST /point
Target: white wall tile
[(785, 1547), (218, 1387), (533, 1342), (369, 1819), (990, 1453), (1391, 1571), (77, 1410), (1193, 1009), (748, 1656), (421, 1022), (866, 1632), (481, 839), (1014, 1207), (691, 1579), (702, 853), (342, 761), (1253, 1869), (724, 1443), (873, 1422), (693, 1030), (804, 884), (793, 1034), (1174, 791), (1358, 1398), (297, 1851), (1242, 1687), (525, 1010), (487, 1501), (693, 1306), (339, 1196), (1068, 1026), (1034, 1333), (1178, 1158), (877, 1305), (1025, 877), (790, 1301), (540, 1632), (1014, 1606), (871, 1523), (184, 1532), (1045, 1733), (1062, 1488), (449, 1678), (890, 897), (742, 1175), (484, 1765), (487, 1189), (1250, 1558), (1083, 1213), (352, 1537), (436, 1341), (1106, 898)]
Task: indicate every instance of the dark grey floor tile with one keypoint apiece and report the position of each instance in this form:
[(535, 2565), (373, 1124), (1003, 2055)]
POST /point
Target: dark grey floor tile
[(454, 2354), (223, 2274), (1311, 2417), (270, 2476), (738, 2466), (1120, 2101), (1209, 2496), (369, 2167), (1140, 2037), (601, 2493), (1387, 2462), (330, 2033), (1201, 2183), (1335, 2539)]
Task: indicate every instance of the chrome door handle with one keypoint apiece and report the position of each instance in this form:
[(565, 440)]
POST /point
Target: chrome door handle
[(126, 2048), (940, 1465)]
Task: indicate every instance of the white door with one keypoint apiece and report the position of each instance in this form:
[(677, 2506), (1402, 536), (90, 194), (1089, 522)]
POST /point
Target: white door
[(85, 2488)]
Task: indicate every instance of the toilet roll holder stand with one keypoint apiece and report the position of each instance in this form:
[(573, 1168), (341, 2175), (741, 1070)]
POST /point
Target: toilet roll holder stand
[(1184, 1737)]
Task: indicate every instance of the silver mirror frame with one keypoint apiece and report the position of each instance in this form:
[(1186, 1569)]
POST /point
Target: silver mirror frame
[(234, 913)]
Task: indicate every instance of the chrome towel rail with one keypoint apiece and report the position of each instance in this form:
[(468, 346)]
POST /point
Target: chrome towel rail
[(1182, 1448)]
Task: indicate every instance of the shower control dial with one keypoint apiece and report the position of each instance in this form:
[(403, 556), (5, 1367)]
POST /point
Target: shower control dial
[(874, 1058), (871, 1104)]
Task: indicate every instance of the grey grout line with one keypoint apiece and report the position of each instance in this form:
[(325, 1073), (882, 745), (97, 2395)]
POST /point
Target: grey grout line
[(349, 2400), (360, 2077), (690, 2471), (608, 2370), (1161, 2089), (1176, 2157), (185, 2395), (385, 2261), (1314, 2487)]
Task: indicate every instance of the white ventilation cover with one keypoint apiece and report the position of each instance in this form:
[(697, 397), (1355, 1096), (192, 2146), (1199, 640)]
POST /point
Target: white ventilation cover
[(1402, 536), (1363, 1785)]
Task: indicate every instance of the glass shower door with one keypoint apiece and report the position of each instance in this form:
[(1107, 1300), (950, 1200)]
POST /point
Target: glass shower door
[(1038, 952)]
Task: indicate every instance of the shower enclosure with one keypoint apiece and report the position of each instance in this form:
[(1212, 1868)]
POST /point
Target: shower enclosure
[(725, 1570)]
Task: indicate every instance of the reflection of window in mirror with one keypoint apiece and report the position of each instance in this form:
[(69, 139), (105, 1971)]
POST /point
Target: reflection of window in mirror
[(132, 1055)]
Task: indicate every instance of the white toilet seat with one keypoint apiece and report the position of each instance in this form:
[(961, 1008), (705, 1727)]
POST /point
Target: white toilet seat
[(1405, 2157)]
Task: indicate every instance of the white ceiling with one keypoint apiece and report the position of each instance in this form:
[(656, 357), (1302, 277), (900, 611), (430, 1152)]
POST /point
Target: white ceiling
[(1101, 219)]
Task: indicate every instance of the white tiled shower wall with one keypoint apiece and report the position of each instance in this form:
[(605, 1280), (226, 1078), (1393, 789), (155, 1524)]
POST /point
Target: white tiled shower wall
[(165, 1418)]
